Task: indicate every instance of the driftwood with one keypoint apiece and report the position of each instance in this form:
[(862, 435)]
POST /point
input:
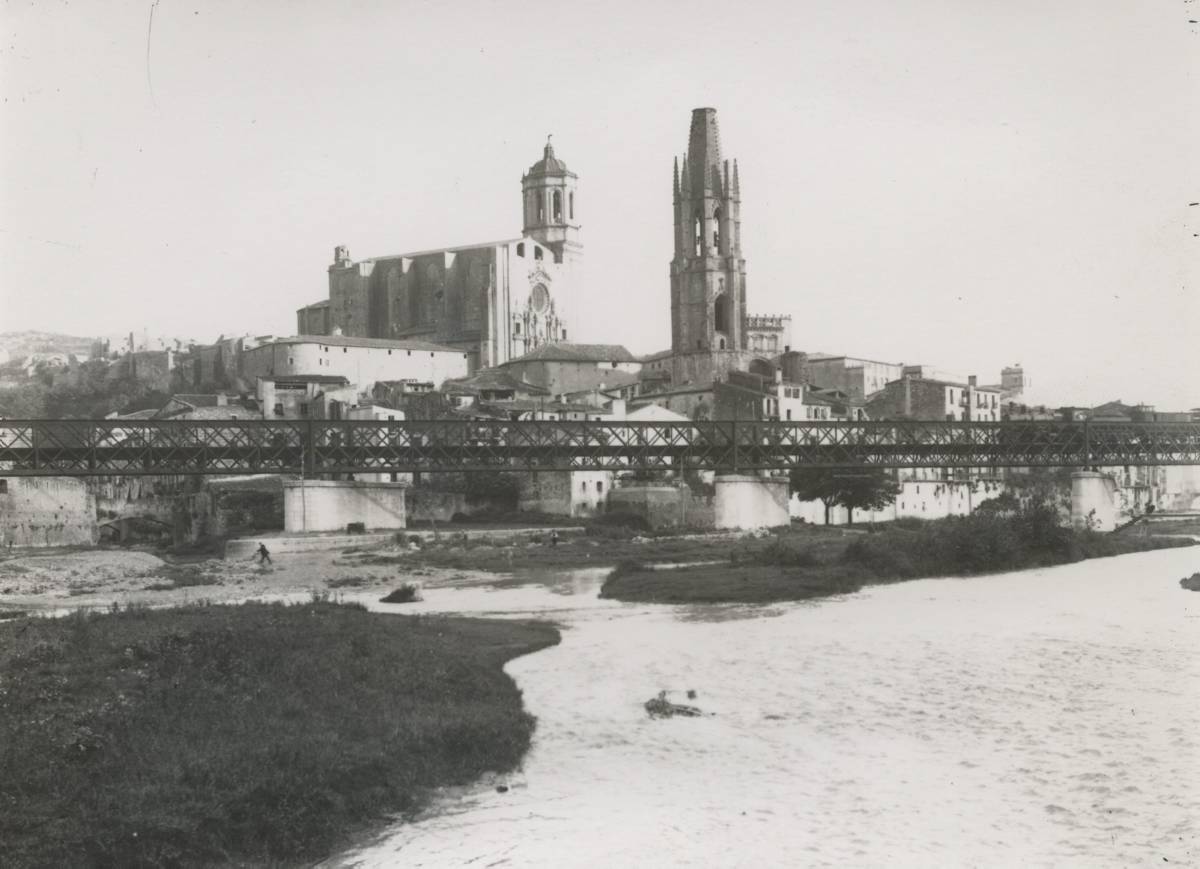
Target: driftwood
[(661, 707), (1191, 583)]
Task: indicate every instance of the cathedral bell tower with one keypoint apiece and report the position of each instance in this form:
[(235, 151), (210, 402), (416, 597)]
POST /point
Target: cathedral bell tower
[(550, 207), (708, 274)]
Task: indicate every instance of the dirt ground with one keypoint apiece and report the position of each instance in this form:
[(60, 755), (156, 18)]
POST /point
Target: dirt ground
[(53, 580)]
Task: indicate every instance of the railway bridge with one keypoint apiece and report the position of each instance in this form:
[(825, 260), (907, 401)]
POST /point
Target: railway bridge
[(314, 449)]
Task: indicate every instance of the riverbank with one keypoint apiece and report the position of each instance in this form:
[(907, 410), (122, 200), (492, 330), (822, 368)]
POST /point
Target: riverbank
[(257, 733), (790, 568)]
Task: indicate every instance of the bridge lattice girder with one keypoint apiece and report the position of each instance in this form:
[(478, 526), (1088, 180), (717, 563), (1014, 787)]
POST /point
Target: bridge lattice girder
[(315, 447)]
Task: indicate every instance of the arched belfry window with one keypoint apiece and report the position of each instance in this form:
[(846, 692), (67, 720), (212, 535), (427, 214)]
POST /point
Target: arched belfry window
[(717, 229), (571, 205), (557, 209), (698, 234), (541, 210), (721, 313)]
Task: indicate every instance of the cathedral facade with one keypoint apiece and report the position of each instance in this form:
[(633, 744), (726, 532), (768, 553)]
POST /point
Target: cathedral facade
[(494, 301)]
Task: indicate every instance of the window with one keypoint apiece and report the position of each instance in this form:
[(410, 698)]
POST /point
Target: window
[(304, 410), (291, 361), (516, 328), (541, 210), (389, 353), (571, 205), (599, 487), (537, 252), (564, 337), (698, 234), (344, 349), (279, 409), (789, 414), (557, 206), (3, 487), (717, 229), (583, 485), (521, 249)]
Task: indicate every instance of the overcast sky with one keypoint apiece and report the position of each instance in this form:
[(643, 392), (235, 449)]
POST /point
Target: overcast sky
[(962, 183)]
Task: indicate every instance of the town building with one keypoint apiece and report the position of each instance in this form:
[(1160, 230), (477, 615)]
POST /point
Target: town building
[(920, 398), (361, 361), (856, 377), (493, 301), (571, 368)]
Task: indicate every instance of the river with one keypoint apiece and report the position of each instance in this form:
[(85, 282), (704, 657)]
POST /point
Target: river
[(1039, 718)]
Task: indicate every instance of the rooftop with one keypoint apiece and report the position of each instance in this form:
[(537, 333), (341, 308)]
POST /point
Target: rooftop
[(567, 352)]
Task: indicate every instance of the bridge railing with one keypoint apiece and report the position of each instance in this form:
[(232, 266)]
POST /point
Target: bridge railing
[(319, 447)]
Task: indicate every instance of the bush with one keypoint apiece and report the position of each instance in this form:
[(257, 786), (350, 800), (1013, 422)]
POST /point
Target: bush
[(618, 526), (406, 593), (780, 552), (978, 543)]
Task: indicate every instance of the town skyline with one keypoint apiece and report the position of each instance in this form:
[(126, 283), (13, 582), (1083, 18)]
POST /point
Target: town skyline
[(893, 212)]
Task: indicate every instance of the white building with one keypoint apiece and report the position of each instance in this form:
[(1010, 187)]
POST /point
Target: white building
[(362, 361)]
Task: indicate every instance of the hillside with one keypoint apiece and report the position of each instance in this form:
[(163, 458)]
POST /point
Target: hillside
[(21, 344)]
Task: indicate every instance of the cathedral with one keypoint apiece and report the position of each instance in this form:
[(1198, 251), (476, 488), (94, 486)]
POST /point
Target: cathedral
[(494, 301), (711, 331)]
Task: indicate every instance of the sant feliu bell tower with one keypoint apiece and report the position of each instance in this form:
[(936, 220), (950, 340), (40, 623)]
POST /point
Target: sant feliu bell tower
[(708, 274)]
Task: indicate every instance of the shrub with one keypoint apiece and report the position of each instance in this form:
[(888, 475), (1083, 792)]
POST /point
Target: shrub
[(406, 593), (780, 552)]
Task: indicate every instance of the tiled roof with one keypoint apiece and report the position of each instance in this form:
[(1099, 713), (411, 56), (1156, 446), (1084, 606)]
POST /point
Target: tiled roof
[(565, 352), (491, 379)]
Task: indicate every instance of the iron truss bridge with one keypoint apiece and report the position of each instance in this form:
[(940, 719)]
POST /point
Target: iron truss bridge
[(313, 448)]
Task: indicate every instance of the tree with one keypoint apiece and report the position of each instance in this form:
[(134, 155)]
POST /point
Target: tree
[(862, 489), (871, 489), (815, 484)]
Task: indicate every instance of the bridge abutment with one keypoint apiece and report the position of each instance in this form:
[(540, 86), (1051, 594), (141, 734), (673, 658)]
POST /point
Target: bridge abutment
[(745, 501), (331, 505), (1093, 501)]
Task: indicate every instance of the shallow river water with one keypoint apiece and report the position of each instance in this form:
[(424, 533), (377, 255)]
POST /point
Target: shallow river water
[(1041, 718)]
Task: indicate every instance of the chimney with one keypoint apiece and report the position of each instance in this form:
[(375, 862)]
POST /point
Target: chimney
[(972, 381)]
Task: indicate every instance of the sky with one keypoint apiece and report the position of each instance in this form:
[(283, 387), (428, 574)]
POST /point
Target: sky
[(958, 183)]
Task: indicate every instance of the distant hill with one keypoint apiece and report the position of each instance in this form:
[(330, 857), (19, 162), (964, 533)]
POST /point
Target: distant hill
[(21, 344)]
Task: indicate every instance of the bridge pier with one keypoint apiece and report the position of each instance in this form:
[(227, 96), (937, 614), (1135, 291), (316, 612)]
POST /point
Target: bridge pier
[(331, 505), (1093, 500), (746, 501)]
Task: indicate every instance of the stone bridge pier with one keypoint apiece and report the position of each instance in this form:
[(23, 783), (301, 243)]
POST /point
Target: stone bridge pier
[(1093, 500)]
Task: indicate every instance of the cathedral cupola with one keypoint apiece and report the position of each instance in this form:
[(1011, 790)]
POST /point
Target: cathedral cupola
[(551, 212)]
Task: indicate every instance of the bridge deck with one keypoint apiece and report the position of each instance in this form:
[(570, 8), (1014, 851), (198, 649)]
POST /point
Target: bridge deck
[(316, 447)]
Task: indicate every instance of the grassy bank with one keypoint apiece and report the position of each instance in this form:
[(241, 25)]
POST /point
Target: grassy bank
[(793, 568), (603, 543), (248, 734)]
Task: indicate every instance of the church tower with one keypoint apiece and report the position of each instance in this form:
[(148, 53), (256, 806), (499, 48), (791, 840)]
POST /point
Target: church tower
[(708, 274), (550, 207)]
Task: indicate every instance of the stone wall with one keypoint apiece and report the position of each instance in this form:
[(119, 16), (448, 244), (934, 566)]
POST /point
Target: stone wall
[(545, 492), (332, 505), (223, 508), (663, 506), (746, 501), (46, 511)]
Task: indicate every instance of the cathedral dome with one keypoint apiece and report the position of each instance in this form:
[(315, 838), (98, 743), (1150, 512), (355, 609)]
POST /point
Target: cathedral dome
[(549, 164)]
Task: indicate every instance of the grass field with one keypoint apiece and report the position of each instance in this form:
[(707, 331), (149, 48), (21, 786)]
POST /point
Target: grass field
[(253, 734)]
